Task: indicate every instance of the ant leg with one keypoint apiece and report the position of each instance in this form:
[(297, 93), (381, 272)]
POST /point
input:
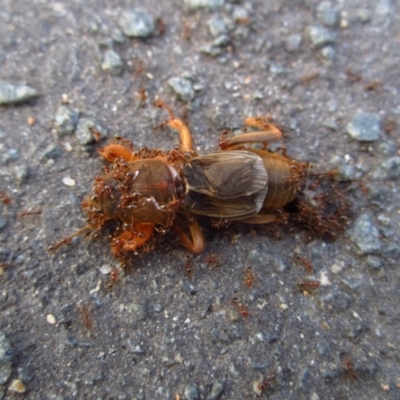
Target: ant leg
[(268, 133), (194, 243), (177, 124), (131, 239)]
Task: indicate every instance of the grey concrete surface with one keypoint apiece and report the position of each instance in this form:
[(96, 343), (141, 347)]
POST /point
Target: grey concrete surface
[(159, 334)]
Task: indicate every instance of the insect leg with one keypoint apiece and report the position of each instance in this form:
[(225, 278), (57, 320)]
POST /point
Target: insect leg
[(177, 124), (263, 218), (114, 151), (268, 133), (194, 242), (131, 239)]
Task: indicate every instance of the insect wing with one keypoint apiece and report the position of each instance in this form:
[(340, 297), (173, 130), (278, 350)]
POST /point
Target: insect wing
[(226, 184)]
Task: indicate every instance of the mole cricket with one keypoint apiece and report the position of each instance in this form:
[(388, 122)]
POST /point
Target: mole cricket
[(144, 193)]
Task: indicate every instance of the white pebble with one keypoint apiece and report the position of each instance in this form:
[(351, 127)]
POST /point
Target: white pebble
[(51, 319), (68, 181)]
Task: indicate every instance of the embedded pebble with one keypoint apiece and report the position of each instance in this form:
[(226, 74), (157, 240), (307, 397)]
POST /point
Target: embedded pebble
[(328, 52), (83, 133), (5, 354), (67, 181), (346, 172), (66, 120), (13, 94), (364, 127), (191, 392), (374, 262), (388, 170), (217, 26), (182, 88), (51, 319), (210, 50), (111, 63), (216, 390), (210, 4), (240, 14), (327, 14), (105, 269), (222, 40), (137, 23), (21, 173), (8, 155), (188, 287), (17, 386), (138, 311), (293, 43), (365, 235), (320, 36)]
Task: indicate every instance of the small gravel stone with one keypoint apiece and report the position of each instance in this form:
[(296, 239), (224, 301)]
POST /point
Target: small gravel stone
[(363, 15), (21, 173), (111, 63), (191, 392), (137, 311), (210, 4), (5, 358), (365, 235), (217, 26), (364, 127), (216, 391), (83, 133), (50, 152), (240, 14), (137, 23), (105, 269), (374, 262), (388, 170), (66, 120), (17, 386), (134, 347), (293, 43), (346, 172), (320, 36), (51, 319), (67, 181), (188, 287), (221, 41), (327, 14), (210, 50), (8, 155), (13, 94), (5, 372), (328, 52), (182, 88)]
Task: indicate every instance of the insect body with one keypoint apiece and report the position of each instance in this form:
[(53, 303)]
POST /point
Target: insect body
[(144, 192)]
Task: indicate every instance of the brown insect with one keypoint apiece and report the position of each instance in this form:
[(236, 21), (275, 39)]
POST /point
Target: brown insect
[(374, 85), (142, 96), (240, 307), (308, 286), (349, 367), (352, 76), (143, 193), (212, 260), (267, 383), (114, 274), (86, 318), (305, 263), (5, 198), (249, 279)]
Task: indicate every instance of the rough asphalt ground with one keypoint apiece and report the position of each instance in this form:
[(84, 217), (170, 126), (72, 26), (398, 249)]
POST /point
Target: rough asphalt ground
[(328, 74)]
